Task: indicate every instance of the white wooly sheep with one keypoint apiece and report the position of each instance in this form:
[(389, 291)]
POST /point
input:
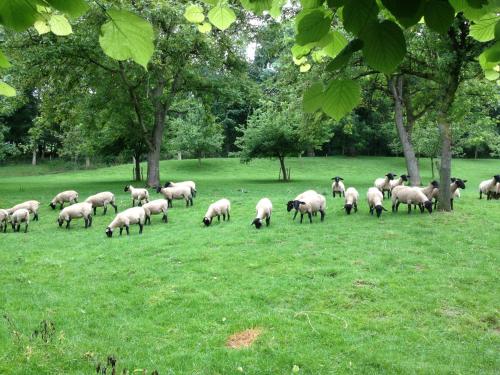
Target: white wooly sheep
[(489, 187), (290, 205), (384, 184), (399, 182), (429, 189), (311, 204), (410, 195), (338, 186), (70, 196), (191, 184), (375, 197), (177, 192), (134, 215), (76, 211), (31, 206), (156, 207), (351, 200), (264, 210), (221, 207), (21, 215), (4, 220), (137, 194), (102, 200), (454, 186)]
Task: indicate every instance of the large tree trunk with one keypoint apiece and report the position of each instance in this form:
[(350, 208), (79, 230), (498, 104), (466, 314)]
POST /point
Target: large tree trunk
[(33, 156), (283, 168), (137, 167), (445, 169), (154, 167), (87, 162)]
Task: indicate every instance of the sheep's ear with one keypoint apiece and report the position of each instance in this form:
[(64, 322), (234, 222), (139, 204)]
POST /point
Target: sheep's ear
[(384, 208), (465, 180), (340, 178), (300, 202)]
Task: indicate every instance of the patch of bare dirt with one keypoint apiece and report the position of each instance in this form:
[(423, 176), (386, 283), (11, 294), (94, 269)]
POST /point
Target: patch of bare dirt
[(364, 283), (243, 339)]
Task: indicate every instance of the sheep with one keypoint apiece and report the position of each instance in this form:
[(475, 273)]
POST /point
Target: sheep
[(488, 186), (177, 192), (429, 189), (4, 219), (457, 192), (338, 186), (456, 184), (65, 196), (384, 184), (134, 215), (351, 200), (221, 207), (310, 203), (375, 197), (139, 194), (399, 182), (76, 211), (21, 215), (290, 204), (264, 210), (31, 206), (102, 200), (191, 184), (497, 191), (156, 207), (410, 195)]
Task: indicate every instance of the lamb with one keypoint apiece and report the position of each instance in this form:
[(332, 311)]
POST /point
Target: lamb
[(488, 187), (221, 207), (31, 206), (177, 192), (134, 215), (191, 184), (384, 184), (338, 186), (375, 197), (290, 204), (456, 184), (4, 219), (21, 215), (155, 207), (65, 196), (264, 210), (139, 194), (351, 200), (399, 182), (76, 211), (310, 203), (410, 195), (102, 200)]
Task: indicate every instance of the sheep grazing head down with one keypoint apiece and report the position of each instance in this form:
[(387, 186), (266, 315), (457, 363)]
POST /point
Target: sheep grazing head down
[(206, 221), (348, 208), (60, 221), (435, 184), (158, 188), (289, 206), (428, 206), (390, 176), (337, 179), (460, 183), (405, 177), (378, 210), (257, 222), (109, 232), (52, 205), (127, 188)]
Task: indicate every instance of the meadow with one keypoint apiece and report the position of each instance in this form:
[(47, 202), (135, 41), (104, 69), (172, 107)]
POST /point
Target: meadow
[(355, 294)]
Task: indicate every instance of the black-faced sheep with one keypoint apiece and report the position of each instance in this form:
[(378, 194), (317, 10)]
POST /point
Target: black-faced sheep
[(338, 186), (70, 196), (264, 210), (221, 207), (134, 215)]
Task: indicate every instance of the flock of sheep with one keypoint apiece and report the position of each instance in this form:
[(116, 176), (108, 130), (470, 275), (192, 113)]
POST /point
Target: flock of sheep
[(309, 202)]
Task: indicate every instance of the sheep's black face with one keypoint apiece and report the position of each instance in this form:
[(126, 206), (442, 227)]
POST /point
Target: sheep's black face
[(348, 208), (158, 188), (109, 232), (453, 179), (167, 184), (53, 206), (60, 222), (206, 221), (428, 206), (460, 183), (289, 206), (126, 188), (379, 209), (405, 177), (497, 177), (257, 223), (435, 184), (296, 204), (390, 176)]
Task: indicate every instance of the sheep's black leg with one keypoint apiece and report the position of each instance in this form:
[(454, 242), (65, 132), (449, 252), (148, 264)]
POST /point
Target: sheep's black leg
[(480, 194), (62, 206), (133, 202), (322, 215), (164, 218), (421, 206), (451, 203), (127, 229), (295, 215), (310, 217), (90, 221), (115, 207), (268, 221), (25, 227), (95, 210), (355, 207), (140, 228), (191, 200), (139, 204), (488, 196), (187, 202), (224, 217), (301, 217), (393, 207), (86, 223), (409, 208), (36, 216), (121, 230), (371, 210), (76, 200), (228, 216), (218, 217), (397, 206), (5, 228), (170, 203), (333, 194), (67, 223), (105, 210)]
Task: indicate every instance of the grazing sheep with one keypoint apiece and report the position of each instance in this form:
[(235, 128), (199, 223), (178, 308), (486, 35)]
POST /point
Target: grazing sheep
[(221, 207), (489, 186), (264, 210), (139, 194), (399, 182), (375, 197), (31, 206), (102, 200), (384, 184), (156, 207), (338, 186), (21, 215), (76, 211), (410, 195), (310, 203), (134, 215), (290, 205), (456, 184), (70, 196), (351, 200), (177, 192), (191, 184), (4, 220)]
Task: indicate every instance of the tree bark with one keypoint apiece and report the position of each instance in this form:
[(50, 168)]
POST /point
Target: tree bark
[(283, 168), (87, 162), (445, 169), (137, 167), (33, 157)]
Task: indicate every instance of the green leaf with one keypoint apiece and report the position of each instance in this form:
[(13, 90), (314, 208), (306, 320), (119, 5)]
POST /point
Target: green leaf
[(439, 15), (334, 4), (407, 12), (312, 25), (257, 6), (491, 75), (73, 8), (275, 10), (221, 17), (127, 36), (205, 27), (59, 25), (313, 97), (344, 56), (41, 27), (337, 44), (18, 14), (305, 68), (194, 14), (309, 4), (341, 97), (299, 51), (211, 2), (497, 31), (484, 29), (300, 61), (477, 3), (384, 46), (4, 63), (492, 54), (7, 90), (358, 14)]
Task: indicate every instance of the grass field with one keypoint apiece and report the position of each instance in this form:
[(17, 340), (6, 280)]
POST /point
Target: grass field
[(402, 294)]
